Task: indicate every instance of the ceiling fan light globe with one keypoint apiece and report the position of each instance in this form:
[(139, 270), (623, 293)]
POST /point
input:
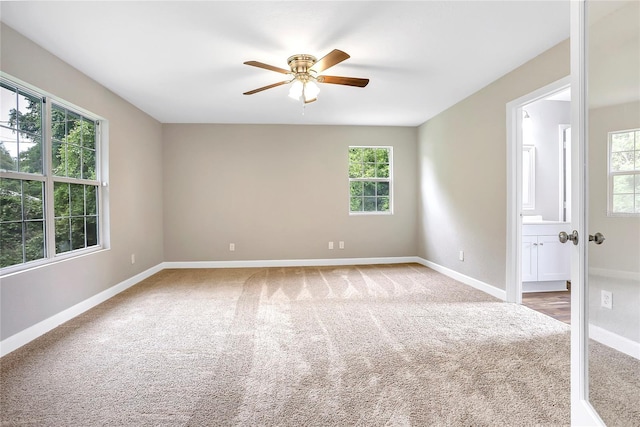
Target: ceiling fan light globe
[(296, 90), (311, 91)]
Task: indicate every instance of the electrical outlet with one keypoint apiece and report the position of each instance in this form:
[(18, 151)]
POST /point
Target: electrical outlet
[(461, 256), (341, 245), (606, 299), (232, 247), (133, 258), (330, 245)]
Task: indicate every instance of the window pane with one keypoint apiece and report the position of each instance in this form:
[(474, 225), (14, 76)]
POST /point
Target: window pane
[(623, 203), (369, 155), (623, 184), (356, 204), (92, 231), (29, 113), (77, 233), (383, 189), (369, 188), (73, 131), (356, 170), (88, 134), (637, 210), (10, 200), (382, 171), (622, 142), (370, 204), (355, 155), (34, 240), (33, 199), (356, 188), (10, 244), (30, 154), (8, 106), (63, 240), (369, 170), (61, 199), (638, 158), (58, 166), (383, 204), (622, 161), (76, 193), (382, 155), (8, 150), (88, 164), (73, 161), (58, 123), (91, 200)]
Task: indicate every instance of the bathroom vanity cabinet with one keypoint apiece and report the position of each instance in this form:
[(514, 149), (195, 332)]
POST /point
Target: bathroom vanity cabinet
[(546, 263)]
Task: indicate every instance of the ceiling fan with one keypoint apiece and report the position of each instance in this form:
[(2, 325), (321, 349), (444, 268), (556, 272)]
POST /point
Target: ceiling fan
[(304, 71)]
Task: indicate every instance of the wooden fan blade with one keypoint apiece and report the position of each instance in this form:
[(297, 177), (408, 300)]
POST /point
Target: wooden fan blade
[(329, 60), (260, 89), (348, 81), (267, 67)]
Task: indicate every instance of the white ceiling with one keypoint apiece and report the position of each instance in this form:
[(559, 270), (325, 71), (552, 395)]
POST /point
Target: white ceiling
[(182, 62)]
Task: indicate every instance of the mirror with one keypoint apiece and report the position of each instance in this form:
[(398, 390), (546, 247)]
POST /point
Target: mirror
[(528, 177), (613, 190)]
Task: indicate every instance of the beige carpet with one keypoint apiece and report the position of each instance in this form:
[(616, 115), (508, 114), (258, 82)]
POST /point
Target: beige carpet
[(365, 345)]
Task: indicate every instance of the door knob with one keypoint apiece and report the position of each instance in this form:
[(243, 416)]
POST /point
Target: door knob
[(598, 238), (564, 237)]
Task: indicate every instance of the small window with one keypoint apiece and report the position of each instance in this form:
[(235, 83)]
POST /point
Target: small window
[(624, 172), (370, 174)]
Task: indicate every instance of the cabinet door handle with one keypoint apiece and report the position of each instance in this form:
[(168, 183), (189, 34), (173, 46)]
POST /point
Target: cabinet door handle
[(541, 244)]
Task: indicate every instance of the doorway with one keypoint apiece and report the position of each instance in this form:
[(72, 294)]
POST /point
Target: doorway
[(536, 193)]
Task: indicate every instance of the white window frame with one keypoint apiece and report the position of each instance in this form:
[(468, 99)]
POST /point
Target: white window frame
[(47, 177), (611, 174), (388, 180)]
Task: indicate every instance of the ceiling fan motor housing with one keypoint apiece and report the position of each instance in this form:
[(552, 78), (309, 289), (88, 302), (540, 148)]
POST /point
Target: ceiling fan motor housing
[(300, 64)]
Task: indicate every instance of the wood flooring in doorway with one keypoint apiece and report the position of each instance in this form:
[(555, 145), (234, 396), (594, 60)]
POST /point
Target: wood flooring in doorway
[(553, 304)]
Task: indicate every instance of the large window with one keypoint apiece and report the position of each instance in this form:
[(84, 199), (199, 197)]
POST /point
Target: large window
[(370, 174), (624, 172), (49, 178)]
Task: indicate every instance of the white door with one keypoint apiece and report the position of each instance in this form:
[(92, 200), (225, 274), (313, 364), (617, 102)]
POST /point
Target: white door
[(605, 364)]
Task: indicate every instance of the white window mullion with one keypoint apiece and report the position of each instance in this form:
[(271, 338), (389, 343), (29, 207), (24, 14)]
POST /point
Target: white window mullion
[(47, 155)]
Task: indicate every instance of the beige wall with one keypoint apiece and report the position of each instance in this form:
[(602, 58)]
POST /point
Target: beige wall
[(279, 193), (135, 192), (462, 172)]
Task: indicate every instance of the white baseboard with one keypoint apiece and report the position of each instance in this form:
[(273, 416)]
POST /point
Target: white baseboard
[(23, 337), (615, 341), (550, 286), (290, 262), (484, 287)]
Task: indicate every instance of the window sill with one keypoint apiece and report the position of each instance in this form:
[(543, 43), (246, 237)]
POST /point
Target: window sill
[(43, 263)]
